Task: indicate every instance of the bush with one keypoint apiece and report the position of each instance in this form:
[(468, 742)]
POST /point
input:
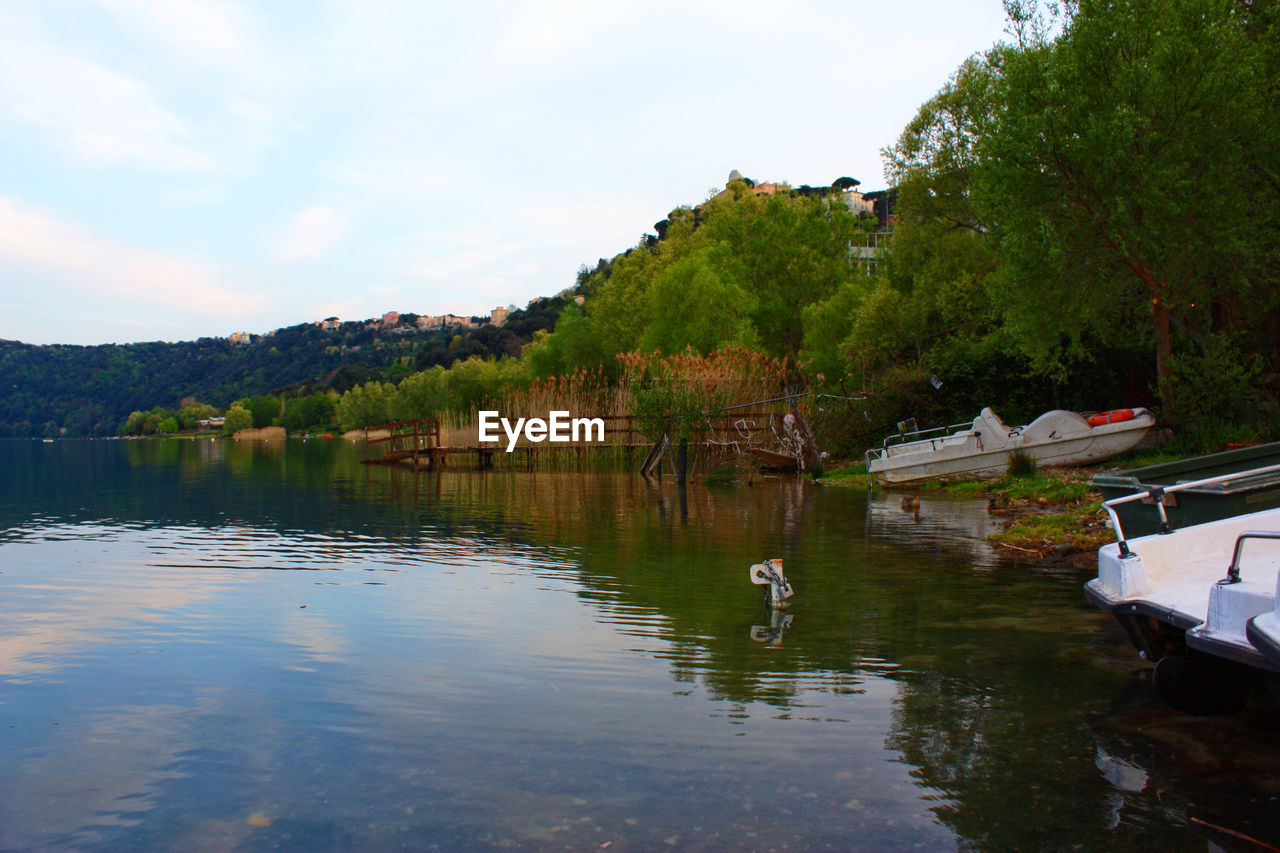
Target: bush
[(1209, 384), (1021, 465)]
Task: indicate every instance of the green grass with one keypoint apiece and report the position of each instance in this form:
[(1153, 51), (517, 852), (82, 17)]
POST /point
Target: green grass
[(852, 473), (1052, 510), (1076, 527)]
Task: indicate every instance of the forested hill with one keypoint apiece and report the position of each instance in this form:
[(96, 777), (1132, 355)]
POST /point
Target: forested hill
[(90, 390)]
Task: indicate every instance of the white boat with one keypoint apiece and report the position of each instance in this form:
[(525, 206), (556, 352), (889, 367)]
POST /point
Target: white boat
[(1263, 631), (981, 449), (1196, 601)]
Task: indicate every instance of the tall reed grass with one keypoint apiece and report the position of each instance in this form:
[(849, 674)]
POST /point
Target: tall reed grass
[(715, 384)]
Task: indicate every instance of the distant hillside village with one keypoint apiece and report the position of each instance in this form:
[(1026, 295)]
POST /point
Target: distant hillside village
[(878, 203), (395, 323)]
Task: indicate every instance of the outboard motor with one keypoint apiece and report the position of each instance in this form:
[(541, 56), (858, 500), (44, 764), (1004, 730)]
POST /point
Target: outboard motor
[(770, 572)]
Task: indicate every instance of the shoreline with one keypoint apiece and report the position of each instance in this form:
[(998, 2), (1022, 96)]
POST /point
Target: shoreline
[(1053, 517)]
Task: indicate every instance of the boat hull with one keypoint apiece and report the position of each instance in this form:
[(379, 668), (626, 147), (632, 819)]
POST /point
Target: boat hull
[(1084, 450), (1198, 505), (1264, 634), (1168, 595)]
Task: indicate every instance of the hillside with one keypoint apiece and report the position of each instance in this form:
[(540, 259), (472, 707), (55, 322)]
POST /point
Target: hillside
[(90, 390)]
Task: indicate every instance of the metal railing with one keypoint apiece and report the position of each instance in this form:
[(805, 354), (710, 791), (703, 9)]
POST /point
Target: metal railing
[(1158, 493), (916, 435), (1233, 571)]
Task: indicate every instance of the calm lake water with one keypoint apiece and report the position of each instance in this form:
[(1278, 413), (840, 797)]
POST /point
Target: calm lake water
[(221, 646)]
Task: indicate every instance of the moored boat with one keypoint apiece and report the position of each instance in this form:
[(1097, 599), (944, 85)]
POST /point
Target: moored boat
[(1231, 492), (982, 448), (1192, 599), (1263, 631)]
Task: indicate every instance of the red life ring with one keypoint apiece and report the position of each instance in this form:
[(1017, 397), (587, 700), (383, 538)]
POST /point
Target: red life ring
[(1114, 416)]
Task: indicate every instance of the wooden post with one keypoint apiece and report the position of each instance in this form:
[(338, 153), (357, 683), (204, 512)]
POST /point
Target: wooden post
[(810, 449)]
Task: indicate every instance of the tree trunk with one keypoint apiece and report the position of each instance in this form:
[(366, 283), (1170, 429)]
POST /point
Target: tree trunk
[(1164, 344)]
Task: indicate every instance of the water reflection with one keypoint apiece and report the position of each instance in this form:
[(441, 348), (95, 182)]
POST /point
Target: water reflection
[(1217, 774), (772, 633), (959, 526), (244, 646)]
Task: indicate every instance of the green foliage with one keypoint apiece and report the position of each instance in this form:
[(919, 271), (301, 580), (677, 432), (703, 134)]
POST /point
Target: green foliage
[(463, 388), (302, 413), (189, 417), (480, 382), (237, 418), (1072, 208), (366, 405), (668, 405), (91, 390), (1125, 166), (265, 409), (737, 271), (144, 423), (421, 395), (697, 304), (132, 424), (1208, 384)]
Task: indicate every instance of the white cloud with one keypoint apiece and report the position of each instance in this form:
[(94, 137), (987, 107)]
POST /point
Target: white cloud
[(89, 110), (80, 261), (219, 46), (314, 231), (205, 31)]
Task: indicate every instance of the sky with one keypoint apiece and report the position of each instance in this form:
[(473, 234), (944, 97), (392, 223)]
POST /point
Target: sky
[(176, 169)]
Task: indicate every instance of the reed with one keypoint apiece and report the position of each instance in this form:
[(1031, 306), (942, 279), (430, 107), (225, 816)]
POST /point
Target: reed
[(711, 384)]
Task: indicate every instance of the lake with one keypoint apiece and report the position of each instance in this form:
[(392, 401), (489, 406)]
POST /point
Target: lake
[(212, 645)]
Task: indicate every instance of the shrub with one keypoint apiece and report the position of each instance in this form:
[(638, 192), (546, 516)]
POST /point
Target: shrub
[(1021, 464)]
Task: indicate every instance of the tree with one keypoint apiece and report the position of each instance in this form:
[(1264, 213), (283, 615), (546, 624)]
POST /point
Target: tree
[(190, 415), (237, 418), (421, 395), (265, 409), (696, 303), (1127, 172), (788, 253), (365, 406), (311, 410), (133, 424), (666, 404)]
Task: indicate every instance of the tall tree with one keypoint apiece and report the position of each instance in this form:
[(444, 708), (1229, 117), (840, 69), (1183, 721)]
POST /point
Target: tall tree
[(1122, 171)]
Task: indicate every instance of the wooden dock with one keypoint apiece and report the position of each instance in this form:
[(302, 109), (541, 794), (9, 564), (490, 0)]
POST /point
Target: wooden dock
[(416, 442)]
